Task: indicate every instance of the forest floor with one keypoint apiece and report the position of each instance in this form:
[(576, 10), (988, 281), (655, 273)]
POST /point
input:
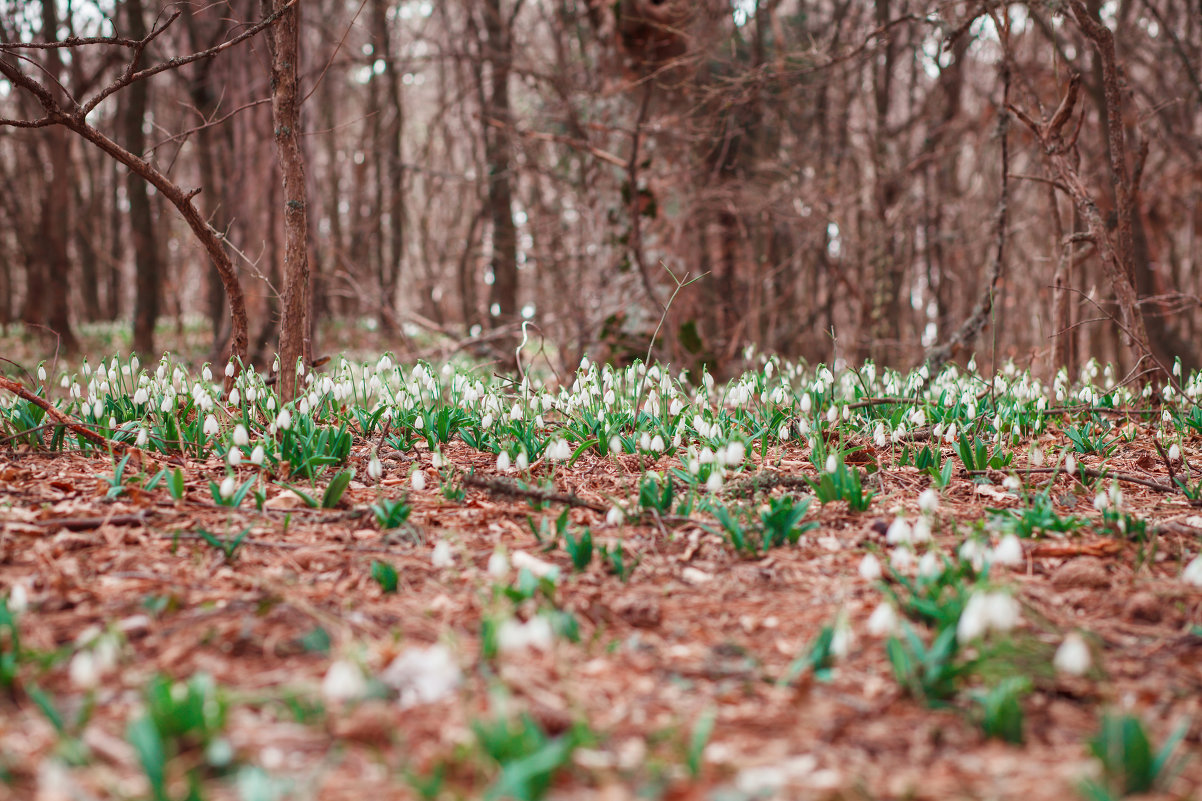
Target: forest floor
[(157, 644), (696, 633)]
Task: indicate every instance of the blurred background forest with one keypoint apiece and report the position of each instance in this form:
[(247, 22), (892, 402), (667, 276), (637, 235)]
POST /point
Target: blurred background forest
[(825, 166)]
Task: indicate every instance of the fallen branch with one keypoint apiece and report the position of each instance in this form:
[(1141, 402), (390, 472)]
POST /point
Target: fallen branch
[(79, 429), (503, 486)]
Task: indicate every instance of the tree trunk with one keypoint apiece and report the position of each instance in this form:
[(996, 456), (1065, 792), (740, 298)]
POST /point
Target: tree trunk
[(284, 41), (148, 268), (498, 153)]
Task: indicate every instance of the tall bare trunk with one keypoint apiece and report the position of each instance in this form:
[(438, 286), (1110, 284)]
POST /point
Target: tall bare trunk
[(498, 153), (284, 40)]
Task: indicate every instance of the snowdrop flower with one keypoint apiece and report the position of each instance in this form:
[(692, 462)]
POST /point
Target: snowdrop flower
[(806, 404), (418, 480), (832, 463), (441, 555), (928, 501), (503, 462), (423, 675), (539, 568), (879, 437), (228, 485), (210, 426), (498, 565), (251, 394), (1193, 572), (901, 559), (83, 670), (1001, 610), (974, 621), (523, 460), (922, 530), (929, 566), (1072, 657), (436, 460), (141, 396), (842, 637), (832, 414), (229, 369), (235, 397), (1008, 552), (883, 621), (303, 406), (206, 373), (870, 568), (1100, 501), (899, 532), (343, 682), (714, 482), (1037, 456), (534, 633), (41, 373), (1174, 452), (1070, 464), (374, 469), (615, 516), (241, 436), (615, 444), (283, 421), (974, 553), (1012, 483), (234, 457), (18, 599), (258, 455)]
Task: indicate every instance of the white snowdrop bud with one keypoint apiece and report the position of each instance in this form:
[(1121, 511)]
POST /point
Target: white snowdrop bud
[(206, 373), (228, 485), (503, 461), (252, 394), (974, 621), (258, 455), (615, 444), (883, 621), (418, 480), (806, 404), (1070, 463), (41, 373), (235, 397), (1009, 551), (167, 404), (614, 516), (210, 427), (929, 565), (303, 406), (901, 558), (922, 530), (832, 414), (714, 482), (343, 682), (1072, 657), (928, 501), (1012, 483), (1037, 456), (832, 463), (870, 568), (442, 556), (1193, 572), (284, 420), (657, 444), (234, 457), (18, 599), (1174, 452), (141, 396), (498, 565), (1002, 611), (241, 436), (83, 670), (143, 438), (374, 468), (229, 369), (899, 532)]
